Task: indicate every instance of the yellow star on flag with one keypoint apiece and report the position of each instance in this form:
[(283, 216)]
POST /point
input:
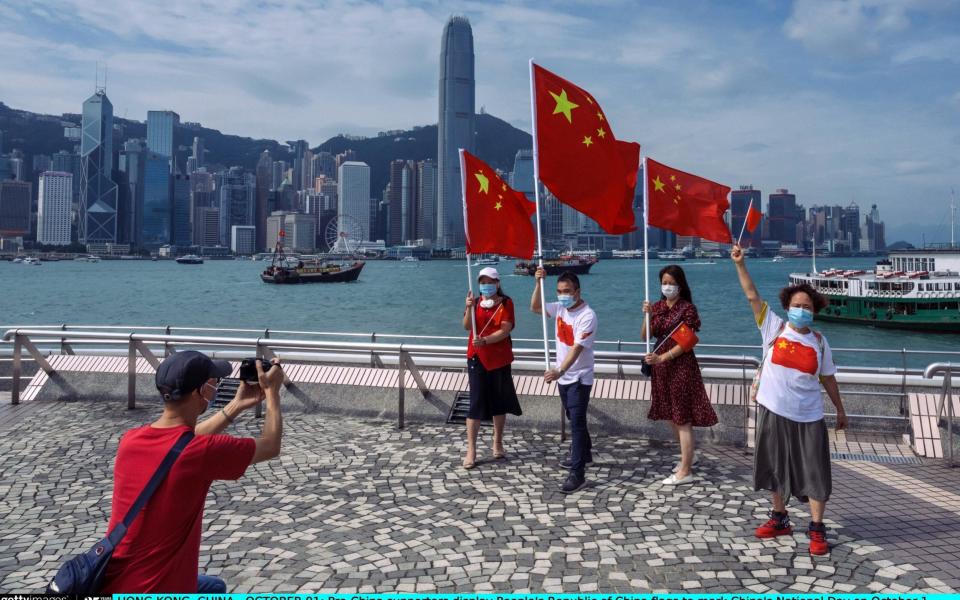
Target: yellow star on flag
[(658, 185), (484, 182), (599, 115), (673, 178), (601, 132), (564, 105), (676, 200), (504, 188), (498, 205), (782, 344), (587, 141), (678, 187)]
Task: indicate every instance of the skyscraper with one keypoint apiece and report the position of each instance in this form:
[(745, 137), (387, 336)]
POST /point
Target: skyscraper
[(426, 200), (456, 126), (198, 152), (161, 125), (262, 210), (237, 191), (393, 234), (782, 216), (15, 197), (353, 197), (157, 207), (98, 192), (300, 148), (53, 214), (182, 229)]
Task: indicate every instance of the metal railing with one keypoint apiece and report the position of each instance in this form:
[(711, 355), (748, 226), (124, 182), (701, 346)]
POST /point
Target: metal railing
[(945, 405), (30, 339)]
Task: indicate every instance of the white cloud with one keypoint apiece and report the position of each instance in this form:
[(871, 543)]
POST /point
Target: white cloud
[(939, 49)]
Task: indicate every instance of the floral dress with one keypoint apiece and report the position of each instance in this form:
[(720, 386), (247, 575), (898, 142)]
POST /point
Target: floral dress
[(678, 392)]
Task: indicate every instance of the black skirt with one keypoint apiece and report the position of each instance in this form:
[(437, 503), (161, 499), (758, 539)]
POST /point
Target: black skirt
[(792, 458), (491, 392)]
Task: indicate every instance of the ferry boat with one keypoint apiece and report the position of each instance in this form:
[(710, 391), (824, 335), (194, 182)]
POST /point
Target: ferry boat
[(488, 262), (190, 259), (777, 258), (913, 289), (32, 261), (672, 256), (578, 265)]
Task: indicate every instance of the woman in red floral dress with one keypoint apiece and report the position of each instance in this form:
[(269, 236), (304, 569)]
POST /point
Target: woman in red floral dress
[(678, 392)]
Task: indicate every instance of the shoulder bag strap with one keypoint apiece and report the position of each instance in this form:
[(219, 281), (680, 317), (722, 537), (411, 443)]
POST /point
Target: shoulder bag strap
[(158, 476)]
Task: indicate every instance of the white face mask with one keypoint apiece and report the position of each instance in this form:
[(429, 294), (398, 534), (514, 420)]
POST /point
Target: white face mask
[(670, 291)]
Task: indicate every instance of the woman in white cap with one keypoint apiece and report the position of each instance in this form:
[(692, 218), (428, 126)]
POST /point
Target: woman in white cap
[(489, 356)]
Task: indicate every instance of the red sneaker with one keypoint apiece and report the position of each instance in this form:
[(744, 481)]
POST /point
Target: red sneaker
[(777, 525), (818, 539)]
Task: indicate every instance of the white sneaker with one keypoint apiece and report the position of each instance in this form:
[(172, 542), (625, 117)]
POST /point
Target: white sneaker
[(696, 461), (672, 480)]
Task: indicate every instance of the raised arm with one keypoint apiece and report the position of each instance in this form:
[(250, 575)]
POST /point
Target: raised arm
[(749, 288), (268, 444), (467, 324)]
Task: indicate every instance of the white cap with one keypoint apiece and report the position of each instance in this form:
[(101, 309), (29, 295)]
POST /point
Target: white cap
[(489, 272)]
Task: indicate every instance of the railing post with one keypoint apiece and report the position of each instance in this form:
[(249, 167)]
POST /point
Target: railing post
[(745, 399), (258, 412), (948, 384), (17, 350), (903, 382), (166, 344), (63, 344), (401, 363), (373, 355), (619, 364), (131, 373)]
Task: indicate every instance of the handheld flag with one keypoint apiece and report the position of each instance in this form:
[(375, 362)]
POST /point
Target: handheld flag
[(684, 337), (751, 221), (496, 217), (579, 159), (686, 204)]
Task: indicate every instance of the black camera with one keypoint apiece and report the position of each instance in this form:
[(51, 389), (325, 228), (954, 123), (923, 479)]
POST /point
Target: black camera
[(248, 369)]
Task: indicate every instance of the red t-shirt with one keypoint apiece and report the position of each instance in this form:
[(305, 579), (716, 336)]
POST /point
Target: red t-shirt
[(161, 551), (489, 321)]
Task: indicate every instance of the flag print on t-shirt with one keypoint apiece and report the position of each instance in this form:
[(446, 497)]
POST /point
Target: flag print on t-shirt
[(794, 355), (565, 332)]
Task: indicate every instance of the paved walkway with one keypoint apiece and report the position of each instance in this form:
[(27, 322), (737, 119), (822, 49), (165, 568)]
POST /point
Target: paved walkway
[(360, 506)]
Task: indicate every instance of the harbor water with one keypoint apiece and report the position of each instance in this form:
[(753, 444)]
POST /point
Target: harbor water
[(417, 298)]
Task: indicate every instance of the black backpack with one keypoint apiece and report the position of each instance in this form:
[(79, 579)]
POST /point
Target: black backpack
[(83, 574)]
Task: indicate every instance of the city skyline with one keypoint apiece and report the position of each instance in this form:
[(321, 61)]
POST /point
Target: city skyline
[(839, 101)]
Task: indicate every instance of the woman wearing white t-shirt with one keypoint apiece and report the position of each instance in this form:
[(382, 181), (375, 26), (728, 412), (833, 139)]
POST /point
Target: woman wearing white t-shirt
[(792, 455)]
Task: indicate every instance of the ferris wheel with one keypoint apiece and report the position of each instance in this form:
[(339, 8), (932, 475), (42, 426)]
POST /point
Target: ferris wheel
[(343, 235)]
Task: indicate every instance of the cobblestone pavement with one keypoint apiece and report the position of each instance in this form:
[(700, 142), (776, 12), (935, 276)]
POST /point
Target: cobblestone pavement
[(360, 506)]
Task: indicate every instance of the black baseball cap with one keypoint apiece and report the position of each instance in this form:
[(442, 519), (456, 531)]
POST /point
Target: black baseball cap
[(183, 372)]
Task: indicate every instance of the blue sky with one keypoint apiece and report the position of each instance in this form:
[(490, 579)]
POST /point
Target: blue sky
[(839, 101)]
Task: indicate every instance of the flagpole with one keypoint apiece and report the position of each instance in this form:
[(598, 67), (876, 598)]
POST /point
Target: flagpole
[(746, 217), (646, 252), (536, 195), (466, 236)]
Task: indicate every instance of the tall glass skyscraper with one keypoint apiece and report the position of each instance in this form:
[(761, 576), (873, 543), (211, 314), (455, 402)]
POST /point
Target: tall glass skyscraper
[(157, 210), (456, 126), (160, 127), (98, 192)]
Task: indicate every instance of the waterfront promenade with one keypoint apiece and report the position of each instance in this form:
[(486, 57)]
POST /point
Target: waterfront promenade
[(358, 505)]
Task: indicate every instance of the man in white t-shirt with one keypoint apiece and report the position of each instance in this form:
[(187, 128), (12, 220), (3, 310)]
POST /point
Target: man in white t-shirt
[(576, 329)]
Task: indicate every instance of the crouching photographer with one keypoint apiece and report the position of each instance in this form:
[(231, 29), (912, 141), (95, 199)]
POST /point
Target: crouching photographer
[(161, 549)]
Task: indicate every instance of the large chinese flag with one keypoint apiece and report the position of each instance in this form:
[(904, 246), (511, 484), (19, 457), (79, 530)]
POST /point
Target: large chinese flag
[(496, 217), (580, 160), (686, 204)]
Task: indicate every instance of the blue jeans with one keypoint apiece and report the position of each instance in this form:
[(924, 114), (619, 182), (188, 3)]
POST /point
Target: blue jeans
[(575, 398), (207, 584)]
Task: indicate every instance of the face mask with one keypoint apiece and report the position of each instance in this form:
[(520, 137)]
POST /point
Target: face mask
[(800, 317), (565, 300), (488, 289), (669, 291)]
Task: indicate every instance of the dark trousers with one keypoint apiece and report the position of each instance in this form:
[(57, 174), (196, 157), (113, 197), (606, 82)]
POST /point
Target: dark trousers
[(575, 398)]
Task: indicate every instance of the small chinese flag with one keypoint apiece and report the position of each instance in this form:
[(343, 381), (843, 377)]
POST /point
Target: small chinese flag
[(283, 233), (496, 217), (685, 337), (794, 355), (686, 204), (579, 159), (753, 218)]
